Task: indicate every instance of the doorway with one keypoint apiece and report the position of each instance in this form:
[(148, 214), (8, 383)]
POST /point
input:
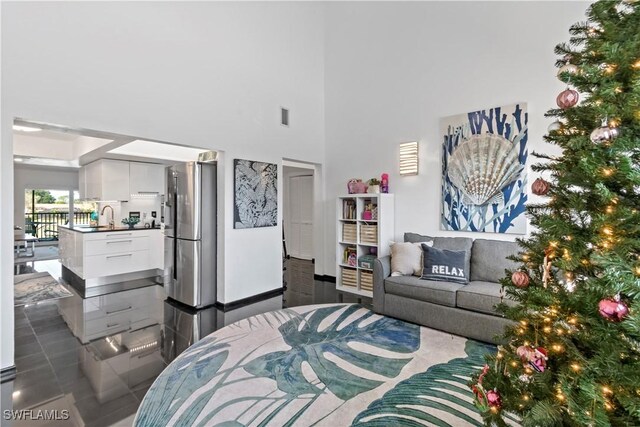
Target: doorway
[(298, 212)]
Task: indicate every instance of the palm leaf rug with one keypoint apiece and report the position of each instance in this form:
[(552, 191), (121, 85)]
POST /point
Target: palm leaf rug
[(324, 365)]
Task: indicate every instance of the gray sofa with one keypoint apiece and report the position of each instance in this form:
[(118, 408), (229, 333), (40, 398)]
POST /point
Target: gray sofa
[(466, 310)]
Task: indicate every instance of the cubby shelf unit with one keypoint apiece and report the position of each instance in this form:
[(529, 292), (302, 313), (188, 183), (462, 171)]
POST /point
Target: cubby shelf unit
[(361, 235)]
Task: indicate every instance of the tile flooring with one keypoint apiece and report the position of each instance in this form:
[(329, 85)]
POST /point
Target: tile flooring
[(56, 371)]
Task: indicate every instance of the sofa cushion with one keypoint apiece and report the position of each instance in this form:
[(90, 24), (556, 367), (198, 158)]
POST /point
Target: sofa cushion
[(481, 297), (444, 265), (489, 259), (417, 238), (456, 244), (443, 293), (406, 259)]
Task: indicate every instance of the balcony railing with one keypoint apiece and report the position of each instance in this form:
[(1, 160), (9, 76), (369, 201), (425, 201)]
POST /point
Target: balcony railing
[(44, 225)]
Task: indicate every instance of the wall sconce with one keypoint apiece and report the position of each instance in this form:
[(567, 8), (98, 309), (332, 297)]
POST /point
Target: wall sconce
[(409, 158)]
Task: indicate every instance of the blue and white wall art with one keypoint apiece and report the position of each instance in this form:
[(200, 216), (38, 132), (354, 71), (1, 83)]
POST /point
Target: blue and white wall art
[(484, 178), (255, 201)]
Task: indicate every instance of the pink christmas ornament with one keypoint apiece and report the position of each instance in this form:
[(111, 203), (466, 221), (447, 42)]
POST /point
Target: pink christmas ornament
[(613, 309), (567, 98)]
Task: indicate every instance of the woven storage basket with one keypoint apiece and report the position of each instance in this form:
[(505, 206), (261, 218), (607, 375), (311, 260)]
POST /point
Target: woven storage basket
[(349, 277), (349, 233), (366, 281), (369, 234)]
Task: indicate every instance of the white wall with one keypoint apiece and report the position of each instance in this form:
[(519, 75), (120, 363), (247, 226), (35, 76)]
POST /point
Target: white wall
[(394, 69), (34, 177), (210, 75)]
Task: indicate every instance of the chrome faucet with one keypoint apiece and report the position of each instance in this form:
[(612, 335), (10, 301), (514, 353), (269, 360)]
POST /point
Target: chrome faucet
[(111, 223)]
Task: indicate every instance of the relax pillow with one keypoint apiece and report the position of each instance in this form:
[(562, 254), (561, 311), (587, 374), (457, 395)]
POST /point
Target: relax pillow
[(444, 265), (406, 259)]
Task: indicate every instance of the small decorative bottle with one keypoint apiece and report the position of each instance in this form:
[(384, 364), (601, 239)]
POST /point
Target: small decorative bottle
[(384, 183)]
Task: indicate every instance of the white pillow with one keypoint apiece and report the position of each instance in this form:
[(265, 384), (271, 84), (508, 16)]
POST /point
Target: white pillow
[(406, 258)]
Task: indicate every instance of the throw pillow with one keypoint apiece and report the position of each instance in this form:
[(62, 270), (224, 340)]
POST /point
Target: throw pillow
[(444, 265), (406, 259), (417, 238)]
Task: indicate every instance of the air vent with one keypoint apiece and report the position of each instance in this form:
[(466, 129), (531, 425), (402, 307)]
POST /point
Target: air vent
[(284, 117)]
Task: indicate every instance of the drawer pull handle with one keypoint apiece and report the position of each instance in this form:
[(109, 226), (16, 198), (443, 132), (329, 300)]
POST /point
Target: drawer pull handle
[(119, 311), (119, 234), (112, 325), (118, 256), (119, 241)]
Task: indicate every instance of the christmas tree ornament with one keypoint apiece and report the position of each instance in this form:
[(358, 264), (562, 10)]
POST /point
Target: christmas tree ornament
[(525, 353), (567, 58), (604, 133), (540, 187), (546, 266), (613, 309), (480, 396), (568, 68), (567, 98), (494, 399), (520, 279), (555, 126), (525, 378), (539, 360)]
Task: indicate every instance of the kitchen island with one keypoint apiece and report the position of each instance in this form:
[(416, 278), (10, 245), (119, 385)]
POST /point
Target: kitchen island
[(95, 256)]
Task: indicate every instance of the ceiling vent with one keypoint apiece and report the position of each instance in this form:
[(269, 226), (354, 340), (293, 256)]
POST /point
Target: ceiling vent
[(284, 116)]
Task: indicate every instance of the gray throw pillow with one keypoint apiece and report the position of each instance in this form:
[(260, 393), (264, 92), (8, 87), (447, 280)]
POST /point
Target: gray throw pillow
[(417, 238), (444, 265)]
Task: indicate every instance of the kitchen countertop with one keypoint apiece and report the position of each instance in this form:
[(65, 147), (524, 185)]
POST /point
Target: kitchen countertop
[(103, 228)]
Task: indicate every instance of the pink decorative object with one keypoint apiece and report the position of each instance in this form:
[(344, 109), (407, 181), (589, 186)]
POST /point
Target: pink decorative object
[(384, 183), (351, 185), (352, 260), (567, 98), (360, 187), (613, 309), (366, 215)]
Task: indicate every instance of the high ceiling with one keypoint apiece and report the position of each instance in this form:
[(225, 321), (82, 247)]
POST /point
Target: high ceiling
[(40, 144)]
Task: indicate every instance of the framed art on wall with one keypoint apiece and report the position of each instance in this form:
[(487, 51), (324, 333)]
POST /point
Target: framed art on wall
[(484, 155), (255, 198)]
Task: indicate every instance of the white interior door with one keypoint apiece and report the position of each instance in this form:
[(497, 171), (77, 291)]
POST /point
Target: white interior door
[(301, 217)]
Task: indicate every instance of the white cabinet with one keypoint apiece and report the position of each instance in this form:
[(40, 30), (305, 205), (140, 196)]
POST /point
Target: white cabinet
[(119, 252), (365, 228), (102, 254), (106, 180), (146, 178), (82, 183)]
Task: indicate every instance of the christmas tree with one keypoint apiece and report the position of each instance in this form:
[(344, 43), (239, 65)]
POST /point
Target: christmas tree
[(573, 354)]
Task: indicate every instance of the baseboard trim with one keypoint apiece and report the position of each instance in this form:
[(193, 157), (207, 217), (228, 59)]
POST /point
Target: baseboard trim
[(249, 300), (7, 374), (324, 278)]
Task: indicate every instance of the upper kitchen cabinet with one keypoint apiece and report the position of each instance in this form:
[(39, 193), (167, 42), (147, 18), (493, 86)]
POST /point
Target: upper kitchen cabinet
[(82, 183), (146, 178), (106, 180)]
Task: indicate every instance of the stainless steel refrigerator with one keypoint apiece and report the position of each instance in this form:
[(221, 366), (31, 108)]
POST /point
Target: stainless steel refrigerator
[(190, 218)]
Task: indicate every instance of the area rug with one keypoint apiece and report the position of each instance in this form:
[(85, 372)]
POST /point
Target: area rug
[(37, 287), (324, 365), (41, 253)]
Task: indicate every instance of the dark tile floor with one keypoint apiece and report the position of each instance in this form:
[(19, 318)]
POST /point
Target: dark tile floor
[(56, 371)]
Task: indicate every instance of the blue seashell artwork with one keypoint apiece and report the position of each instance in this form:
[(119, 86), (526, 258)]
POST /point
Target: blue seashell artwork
[(484, 176)]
